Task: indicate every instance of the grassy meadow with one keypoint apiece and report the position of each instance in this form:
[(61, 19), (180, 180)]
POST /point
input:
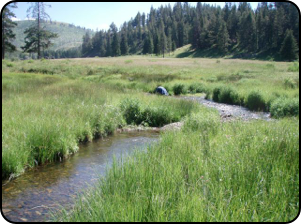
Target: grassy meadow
[(208, 171), (233, 81)]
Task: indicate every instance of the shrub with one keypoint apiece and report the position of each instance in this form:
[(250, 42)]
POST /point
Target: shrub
[(285, 107), (179, 89), (255, 101)]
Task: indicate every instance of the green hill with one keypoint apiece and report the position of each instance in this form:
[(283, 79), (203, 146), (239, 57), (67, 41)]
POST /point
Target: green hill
[(69, 35)]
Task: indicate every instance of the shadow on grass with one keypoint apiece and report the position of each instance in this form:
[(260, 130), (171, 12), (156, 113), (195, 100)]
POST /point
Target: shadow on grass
[(234, 54), (207, 53)]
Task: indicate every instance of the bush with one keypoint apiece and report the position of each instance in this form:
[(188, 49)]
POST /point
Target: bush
[(255, 101), (179, 89), (285, 107)]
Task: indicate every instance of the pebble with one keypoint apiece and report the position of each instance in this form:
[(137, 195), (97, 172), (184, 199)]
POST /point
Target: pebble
[(6, 210)]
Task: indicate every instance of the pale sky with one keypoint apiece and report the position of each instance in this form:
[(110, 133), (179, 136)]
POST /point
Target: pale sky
[(98, 15)]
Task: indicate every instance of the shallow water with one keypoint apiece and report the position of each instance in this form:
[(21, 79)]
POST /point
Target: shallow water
[(230, 111), (42, 190)]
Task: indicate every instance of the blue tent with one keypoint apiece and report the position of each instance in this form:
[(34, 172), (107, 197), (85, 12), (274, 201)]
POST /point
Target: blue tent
[(161, 90)]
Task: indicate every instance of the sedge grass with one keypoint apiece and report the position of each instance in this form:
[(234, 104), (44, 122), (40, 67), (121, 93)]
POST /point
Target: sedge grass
[(237, 172), (44, 117)]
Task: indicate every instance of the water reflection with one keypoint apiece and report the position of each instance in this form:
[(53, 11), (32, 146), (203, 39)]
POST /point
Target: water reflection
[(34, 194)]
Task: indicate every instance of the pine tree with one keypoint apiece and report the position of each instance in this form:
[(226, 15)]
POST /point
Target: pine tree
[(196, 35), (124, 48), (108, 47), (115, 41), (148, 46), (87, 45), (223, 38), (162, 38), (289, 47), (278, 28), (37, 37), (7, 33), (247, 34)]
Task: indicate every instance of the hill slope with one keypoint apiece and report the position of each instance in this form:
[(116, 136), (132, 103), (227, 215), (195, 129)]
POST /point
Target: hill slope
[(68, 35)]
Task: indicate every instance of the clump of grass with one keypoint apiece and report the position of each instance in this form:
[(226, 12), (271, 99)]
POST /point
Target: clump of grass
[(285, 107), (131, 109), (9, 65), (294, 67), (270, 66), (197, 88), (154, 115), (179, 89), (290, 83), (128, 61), (216, 92), (206, 121), (228, 95), (255, 101), (225, 94)]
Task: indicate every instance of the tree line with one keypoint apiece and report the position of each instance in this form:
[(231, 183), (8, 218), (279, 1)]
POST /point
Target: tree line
[(272, 28), (233, 28)]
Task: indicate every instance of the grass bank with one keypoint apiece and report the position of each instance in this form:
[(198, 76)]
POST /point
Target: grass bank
[(207, 172), (44, 117)]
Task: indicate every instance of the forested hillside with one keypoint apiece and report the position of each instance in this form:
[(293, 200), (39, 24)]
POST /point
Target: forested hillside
[(69, 35), (235, 30)]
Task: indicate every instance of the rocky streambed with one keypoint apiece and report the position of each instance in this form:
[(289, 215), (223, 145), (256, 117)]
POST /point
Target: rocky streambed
[(230, 112)]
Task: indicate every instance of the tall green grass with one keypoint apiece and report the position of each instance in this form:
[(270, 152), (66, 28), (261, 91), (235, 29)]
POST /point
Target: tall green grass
[(179, 76), (45, 117), (219, 172)]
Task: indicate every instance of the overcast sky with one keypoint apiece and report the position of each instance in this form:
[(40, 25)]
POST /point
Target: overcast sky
[(98, 15)]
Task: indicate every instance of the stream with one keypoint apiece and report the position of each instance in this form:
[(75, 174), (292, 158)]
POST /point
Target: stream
[(229, 112), (45, 189), (32, 196)]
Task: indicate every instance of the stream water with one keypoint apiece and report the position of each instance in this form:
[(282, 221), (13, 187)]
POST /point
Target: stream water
[(45, 189)]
